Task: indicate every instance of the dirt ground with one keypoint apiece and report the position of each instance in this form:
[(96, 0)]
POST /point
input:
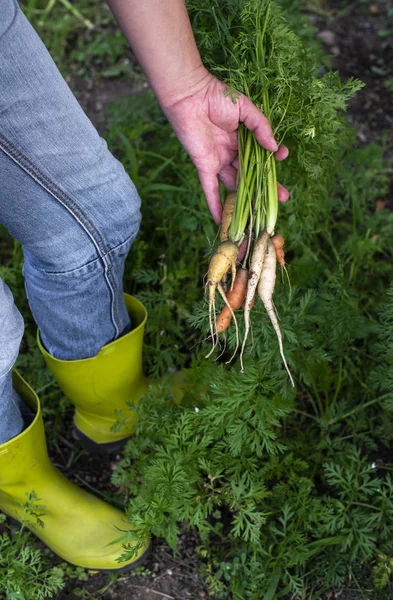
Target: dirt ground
[(359, 36)]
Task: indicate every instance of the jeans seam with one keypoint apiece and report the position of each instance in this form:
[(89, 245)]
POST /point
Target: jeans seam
[(75, 210), (88, 264), (16, 7)]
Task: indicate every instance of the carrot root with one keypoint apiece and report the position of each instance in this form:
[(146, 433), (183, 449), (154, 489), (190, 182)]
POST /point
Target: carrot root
[(226, 218), (221, 262), (256, 264), (265, 291), (235, 297)]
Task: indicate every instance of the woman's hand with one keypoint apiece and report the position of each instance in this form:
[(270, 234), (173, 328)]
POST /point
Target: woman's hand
[(206, 121), (203, 115)]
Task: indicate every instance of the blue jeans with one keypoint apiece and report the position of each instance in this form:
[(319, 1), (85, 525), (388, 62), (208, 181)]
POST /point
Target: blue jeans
[(70, 204)]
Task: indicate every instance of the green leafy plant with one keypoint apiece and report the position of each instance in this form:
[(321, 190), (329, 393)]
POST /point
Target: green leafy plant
[(24, 573), (83, 38)]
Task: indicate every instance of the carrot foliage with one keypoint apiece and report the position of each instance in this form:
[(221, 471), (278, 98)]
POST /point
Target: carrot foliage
[(250, 46), (288, 490)]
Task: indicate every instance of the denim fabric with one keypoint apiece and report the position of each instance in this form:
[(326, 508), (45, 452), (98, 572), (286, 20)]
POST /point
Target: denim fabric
[(67, 200), (11, 332)]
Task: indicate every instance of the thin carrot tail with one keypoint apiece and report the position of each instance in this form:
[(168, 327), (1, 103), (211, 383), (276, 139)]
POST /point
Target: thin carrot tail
[(273, 318), (247, 329), (219, 287), (224, 347), (283, 268), (285, 363), (212, 307)]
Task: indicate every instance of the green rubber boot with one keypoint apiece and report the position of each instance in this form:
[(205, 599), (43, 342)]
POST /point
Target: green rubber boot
[(102, 387), (77, 526)]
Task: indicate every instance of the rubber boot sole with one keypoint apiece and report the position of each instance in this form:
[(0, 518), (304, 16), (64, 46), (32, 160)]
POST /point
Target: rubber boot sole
[(93, 448)]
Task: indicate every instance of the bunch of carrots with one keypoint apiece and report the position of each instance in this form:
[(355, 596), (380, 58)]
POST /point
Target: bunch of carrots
[(249, 215)]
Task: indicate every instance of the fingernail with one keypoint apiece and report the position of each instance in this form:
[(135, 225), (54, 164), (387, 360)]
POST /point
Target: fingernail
[(274, 145)]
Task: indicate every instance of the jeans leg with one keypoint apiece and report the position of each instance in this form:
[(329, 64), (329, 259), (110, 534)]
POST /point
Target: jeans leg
[(65, 198), (11, 331)]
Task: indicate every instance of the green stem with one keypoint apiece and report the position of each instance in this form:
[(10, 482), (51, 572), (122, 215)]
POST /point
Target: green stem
[(241, 213), (319, 401), (362, 406), (338, 386), (272, 201), (257, 198)]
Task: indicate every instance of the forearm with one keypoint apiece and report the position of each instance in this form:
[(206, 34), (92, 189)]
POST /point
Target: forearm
[(160, 34)]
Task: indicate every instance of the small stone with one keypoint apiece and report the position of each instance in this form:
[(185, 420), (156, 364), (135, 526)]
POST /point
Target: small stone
[(169, 572), (362, 137), (335, 50), (99, 106), (328, 37)]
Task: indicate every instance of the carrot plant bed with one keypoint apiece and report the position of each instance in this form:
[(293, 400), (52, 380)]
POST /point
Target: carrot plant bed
[(288, 488)]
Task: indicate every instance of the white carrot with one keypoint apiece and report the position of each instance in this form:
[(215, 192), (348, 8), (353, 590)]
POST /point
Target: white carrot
[(255, 269), (223, 260), (265, 290)]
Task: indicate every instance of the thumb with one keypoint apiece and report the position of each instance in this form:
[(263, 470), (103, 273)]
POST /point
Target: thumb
[(255, 121)]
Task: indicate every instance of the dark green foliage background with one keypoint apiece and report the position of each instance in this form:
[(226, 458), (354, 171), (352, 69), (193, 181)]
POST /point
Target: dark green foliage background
[(290, 491)]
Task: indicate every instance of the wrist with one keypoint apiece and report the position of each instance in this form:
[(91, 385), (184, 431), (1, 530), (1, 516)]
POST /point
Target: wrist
[(176, 87)]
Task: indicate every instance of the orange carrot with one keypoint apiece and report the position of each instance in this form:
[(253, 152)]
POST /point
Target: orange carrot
[(235, 297), (278, 243), (226, 218)]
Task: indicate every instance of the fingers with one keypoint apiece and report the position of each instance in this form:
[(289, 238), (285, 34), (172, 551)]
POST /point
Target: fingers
[(256, 122), (209, 183), (211, 190), (281, 153), (228, 177), (242, 250), (283, 193)]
